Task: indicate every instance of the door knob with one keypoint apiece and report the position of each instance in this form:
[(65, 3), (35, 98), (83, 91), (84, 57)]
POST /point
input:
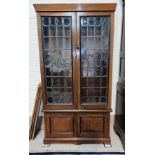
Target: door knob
[(77, 51), (74, 53)]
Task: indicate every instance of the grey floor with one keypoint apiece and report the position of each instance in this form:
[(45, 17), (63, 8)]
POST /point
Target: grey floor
[(37, 145)]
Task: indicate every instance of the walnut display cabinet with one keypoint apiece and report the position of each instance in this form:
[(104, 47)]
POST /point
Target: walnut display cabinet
[(76, 48)]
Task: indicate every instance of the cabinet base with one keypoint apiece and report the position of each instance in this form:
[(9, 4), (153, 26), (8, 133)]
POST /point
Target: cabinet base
[(77, 140)]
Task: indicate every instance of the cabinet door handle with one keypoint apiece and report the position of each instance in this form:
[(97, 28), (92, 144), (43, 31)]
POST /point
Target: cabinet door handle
[(77, 51), (74, 54)]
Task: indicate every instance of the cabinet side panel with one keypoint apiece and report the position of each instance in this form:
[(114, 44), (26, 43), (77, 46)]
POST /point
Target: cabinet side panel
[(111, 59)]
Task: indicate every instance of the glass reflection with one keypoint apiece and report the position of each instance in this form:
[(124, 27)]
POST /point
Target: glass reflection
[(94, 59), (58, 59)]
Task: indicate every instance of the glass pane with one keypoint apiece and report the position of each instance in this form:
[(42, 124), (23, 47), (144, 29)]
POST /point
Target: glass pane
[(94, 59), (58, 59)]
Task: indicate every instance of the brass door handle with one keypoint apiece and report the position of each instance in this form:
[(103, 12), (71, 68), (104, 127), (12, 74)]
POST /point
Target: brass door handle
[(75, 53)]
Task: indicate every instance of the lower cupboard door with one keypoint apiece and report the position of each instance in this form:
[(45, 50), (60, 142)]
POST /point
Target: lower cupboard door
[(93, 125), (60, 125)]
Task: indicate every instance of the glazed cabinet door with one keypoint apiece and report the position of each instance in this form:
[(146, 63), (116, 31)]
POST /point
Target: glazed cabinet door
[(57, 45), (94, 37)]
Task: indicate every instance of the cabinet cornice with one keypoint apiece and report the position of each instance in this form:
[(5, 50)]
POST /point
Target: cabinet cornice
[(75, 7)]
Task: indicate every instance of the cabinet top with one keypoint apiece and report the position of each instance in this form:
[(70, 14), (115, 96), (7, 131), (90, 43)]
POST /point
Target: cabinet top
[(75, 7)]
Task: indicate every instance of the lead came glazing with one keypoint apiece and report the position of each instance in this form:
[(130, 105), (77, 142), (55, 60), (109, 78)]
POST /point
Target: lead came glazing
[(94, 59), (58, 59)]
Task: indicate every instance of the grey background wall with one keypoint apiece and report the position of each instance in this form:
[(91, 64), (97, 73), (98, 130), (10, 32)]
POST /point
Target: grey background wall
[(34, 67)]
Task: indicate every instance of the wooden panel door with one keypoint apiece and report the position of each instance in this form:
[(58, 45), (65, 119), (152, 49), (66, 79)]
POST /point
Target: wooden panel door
[(57, 35), (92, 125), (94, 40), (60, 125)]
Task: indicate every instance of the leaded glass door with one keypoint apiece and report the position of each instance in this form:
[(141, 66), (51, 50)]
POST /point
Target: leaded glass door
[(58, 45), (94, 52)]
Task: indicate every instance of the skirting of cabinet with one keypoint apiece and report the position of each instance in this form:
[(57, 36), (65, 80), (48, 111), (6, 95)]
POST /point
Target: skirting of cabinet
[(77, 140)]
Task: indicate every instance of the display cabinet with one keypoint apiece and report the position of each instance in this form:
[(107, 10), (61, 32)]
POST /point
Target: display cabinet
[(76, 44)]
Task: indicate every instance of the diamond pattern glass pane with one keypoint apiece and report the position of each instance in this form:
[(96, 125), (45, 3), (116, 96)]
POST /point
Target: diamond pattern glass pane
[(58, 59), (94, 32)]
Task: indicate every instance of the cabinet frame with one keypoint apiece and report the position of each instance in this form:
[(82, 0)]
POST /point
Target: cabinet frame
[(73, 113)]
